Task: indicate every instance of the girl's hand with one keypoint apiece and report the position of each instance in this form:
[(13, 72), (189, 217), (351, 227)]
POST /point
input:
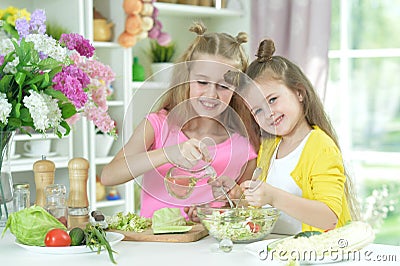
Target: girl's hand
[(257, 193), (187, 154), (192, 214), (229, 185)]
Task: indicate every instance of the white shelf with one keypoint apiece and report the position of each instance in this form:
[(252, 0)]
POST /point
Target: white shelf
[(26, 164), (106, 45), (197, 11), (115, 103), (110, 203), (23, 137), (149, 85)]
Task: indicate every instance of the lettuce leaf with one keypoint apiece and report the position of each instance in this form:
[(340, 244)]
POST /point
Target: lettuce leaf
[(31, 225), (167, 217)]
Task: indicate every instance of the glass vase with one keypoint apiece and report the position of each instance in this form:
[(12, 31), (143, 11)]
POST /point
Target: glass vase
[(6, 183)]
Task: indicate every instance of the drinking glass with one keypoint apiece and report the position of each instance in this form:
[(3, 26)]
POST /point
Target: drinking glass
[(56, 202)]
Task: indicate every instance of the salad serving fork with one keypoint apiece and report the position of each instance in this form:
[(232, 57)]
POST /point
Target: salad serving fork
[(255, 176)]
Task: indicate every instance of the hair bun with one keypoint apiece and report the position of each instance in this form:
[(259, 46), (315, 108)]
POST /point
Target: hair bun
[(198, 28), (242, 37), (232, 77), (266, 50)]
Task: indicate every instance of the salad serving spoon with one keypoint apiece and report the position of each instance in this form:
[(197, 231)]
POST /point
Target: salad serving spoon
[(231, 204)]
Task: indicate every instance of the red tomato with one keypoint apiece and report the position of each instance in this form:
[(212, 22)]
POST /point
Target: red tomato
[(254, 228), (57, 238)]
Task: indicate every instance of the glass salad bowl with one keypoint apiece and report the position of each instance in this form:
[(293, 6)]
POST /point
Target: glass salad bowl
[(240, 225)]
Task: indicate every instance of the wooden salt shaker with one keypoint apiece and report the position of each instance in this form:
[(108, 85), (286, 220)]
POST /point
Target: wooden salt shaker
[(78, 199), (44, 175)]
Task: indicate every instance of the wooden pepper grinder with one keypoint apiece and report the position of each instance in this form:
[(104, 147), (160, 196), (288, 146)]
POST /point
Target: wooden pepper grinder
[(44, 175), (78, 204)]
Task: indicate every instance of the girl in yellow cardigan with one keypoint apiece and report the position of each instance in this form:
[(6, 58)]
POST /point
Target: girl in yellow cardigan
[(303, 173)]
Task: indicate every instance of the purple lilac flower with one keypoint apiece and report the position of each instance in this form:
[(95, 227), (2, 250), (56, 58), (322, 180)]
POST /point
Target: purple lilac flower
[(1, 59), (38, 22), (78, 73), (71, 81), (74, 41), (35, 25), (22, 26), (43, 56)]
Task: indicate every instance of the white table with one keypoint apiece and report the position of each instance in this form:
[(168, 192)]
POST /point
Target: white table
[(204, 252)]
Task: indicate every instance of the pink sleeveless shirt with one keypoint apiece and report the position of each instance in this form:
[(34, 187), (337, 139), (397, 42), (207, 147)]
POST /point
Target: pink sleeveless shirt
[(229, 158)]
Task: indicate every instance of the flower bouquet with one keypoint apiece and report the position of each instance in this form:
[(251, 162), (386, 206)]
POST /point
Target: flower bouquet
[(47, 84)]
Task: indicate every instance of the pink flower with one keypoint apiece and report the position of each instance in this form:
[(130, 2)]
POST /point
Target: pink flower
[(99, 94), (100, 119), (100, 77), (71, 81), (94, 69), (74, 41)]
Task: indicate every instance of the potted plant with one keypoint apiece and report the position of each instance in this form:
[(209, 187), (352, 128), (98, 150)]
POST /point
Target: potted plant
[(161, 58), (103, 143)]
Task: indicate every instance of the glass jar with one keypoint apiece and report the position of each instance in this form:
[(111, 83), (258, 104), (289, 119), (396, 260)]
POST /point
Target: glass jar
[(77, 216), (22, 197), (56, 202), (180, 182)]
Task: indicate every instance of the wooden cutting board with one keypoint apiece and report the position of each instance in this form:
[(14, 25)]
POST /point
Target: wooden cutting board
[(196, 233)]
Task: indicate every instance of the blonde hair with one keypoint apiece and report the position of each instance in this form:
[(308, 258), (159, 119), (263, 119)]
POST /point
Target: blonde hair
[(281, 69), (218, 44)]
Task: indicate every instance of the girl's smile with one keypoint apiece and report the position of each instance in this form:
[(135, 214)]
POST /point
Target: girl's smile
[(277, 121), (209, 93), (209, 103)]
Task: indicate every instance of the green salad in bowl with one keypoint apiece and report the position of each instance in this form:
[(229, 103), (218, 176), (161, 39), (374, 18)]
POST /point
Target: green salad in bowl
[(240, 225)]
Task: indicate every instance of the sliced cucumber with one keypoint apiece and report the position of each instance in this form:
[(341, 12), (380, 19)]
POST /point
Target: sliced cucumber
[(172, 229), (273, 244), (307, 234)]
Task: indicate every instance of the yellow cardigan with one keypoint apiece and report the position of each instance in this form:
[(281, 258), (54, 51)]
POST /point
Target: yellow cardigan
[(319, 173)]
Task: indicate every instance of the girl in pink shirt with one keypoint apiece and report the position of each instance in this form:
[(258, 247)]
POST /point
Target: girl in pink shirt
[(199, 120)]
